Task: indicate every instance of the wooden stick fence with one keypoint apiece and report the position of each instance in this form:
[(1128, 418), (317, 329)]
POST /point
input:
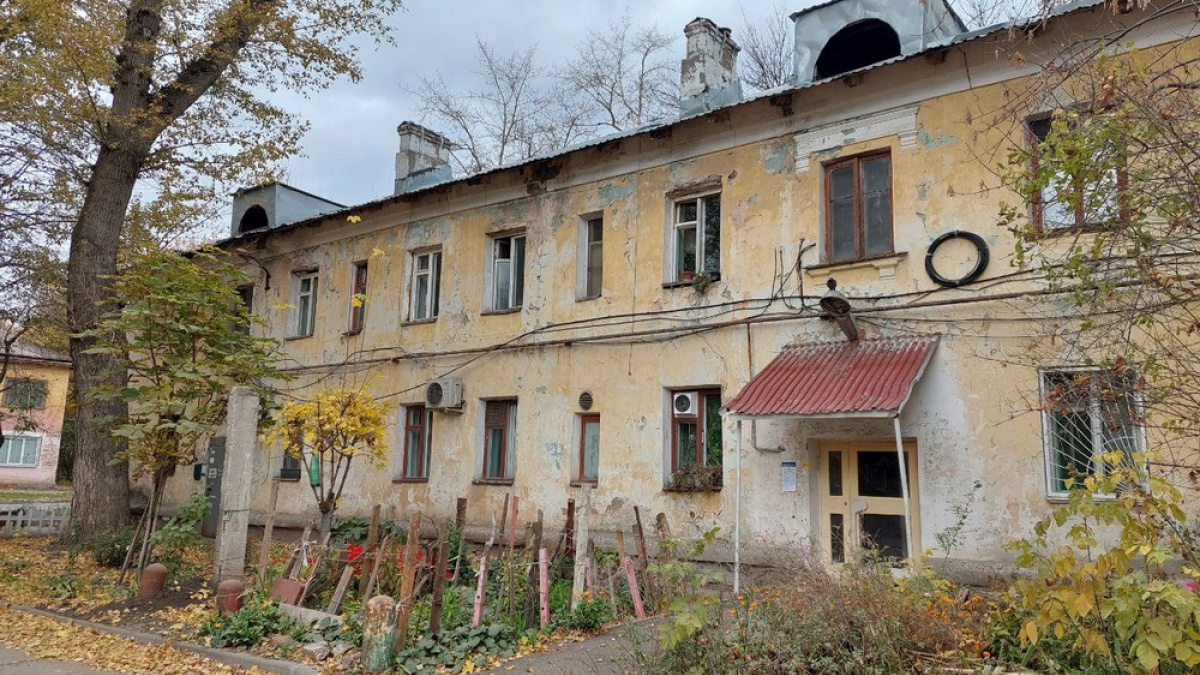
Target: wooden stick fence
[(25, 519)]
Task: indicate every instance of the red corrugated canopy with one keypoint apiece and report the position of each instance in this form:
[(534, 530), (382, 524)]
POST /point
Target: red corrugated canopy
[(868, 378)]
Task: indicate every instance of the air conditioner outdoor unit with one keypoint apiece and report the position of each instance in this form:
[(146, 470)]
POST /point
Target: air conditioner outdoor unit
[(685, 403), (444, 393)]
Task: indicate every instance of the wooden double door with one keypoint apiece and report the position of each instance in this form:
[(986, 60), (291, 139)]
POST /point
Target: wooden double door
[(862, 504)]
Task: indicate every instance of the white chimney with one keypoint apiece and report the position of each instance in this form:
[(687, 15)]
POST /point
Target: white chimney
[(708, 74), (423, 159)]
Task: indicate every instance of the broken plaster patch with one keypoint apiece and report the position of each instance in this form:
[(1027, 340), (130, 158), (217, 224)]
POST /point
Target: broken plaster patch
[(555, 452), (931, 142), (616, 192), (779, 157)]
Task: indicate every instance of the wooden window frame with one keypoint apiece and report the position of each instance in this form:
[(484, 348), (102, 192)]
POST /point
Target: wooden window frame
[(1037, 205), (859, 226), (16, 387), (514, 303), (584, 420), (701, 396), (676, 276), (506, 449), (358, 286), (587, 261), (301, 321), (433, 289), (425, 429)]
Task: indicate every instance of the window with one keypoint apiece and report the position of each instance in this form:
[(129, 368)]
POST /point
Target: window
[(418, 433), (858, 208), (697, 237), (305, 303), (291, 467), (697, 448), (1086, 415), (25, 394), (246, 297), (1087, 196), (508, 272), (591, 259), (20, 450), (358, 297), (426, 286), (499, 439), (589, 448)]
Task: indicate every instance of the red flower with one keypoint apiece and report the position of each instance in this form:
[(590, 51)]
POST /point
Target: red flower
[(354, 552)]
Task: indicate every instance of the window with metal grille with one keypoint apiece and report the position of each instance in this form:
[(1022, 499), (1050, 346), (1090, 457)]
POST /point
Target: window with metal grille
[(418, 437), (358, 297), (858, 208), (25, 393), (1088, 417), (499, 440), (696, 237), (21, 451)]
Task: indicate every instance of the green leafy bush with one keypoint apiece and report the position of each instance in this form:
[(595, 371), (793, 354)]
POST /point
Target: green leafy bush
[(258, 618), (110, 547), (454, 649), (172, 541), (589, 615)]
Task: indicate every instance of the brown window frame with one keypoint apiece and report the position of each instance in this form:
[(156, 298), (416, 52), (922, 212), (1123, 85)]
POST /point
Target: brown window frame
[(505, 450), (701, 396), (584, 420), (358, 285), (1037, 205), (425, 429), (859, 227)]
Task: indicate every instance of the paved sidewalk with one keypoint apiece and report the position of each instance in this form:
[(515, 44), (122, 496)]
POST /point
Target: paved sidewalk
[(13, 662), (609, 653)]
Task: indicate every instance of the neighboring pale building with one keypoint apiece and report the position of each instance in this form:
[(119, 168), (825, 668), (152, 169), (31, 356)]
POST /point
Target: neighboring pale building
[(642, 316), (33, 397)]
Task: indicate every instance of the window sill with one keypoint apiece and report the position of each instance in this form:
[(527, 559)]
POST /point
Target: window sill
[(690, 282), (411, 480), (886, 264), (291, 338), (418, 322), (1059, 499), (1043, 232), (290, 478), (494, 312), (588, 298), (584, 483), (685, 490), (492, 481), (352, 332)]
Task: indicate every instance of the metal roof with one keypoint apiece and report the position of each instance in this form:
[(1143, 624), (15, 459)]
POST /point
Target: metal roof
[(868, 378), (666, 122)]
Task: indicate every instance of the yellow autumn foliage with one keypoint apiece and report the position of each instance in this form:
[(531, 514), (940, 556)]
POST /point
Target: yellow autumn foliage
[(332, 424)]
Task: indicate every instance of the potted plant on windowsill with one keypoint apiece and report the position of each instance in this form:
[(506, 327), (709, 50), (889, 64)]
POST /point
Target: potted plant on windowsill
[(697, 478), (687, 276), (701, 282)]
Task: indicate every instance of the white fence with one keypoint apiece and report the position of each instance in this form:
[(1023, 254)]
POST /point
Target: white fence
[(52, 518)]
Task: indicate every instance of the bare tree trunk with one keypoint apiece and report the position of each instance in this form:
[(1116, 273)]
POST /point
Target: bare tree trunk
[(101, 495)]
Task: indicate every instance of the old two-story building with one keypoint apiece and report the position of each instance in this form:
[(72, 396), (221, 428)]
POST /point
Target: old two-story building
[(651, 316), (33, 396)]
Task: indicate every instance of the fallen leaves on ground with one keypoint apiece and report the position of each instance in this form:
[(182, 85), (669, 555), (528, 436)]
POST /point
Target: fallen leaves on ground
[(60, 641), (36, 571)]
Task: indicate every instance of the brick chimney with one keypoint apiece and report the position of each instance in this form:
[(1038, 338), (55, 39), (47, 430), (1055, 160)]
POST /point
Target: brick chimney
[(708, 74), (423, 159)]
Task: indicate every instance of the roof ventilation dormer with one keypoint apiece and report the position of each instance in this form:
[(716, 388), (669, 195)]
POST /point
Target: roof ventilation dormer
[(708, 76), (274, 204), (842, 36)]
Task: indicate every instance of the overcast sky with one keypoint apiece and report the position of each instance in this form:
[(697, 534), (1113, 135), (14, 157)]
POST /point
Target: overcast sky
[(350, 150)]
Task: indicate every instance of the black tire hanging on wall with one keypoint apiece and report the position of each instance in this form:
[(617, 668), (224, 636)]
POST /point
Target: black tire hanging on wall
[(981, 262)]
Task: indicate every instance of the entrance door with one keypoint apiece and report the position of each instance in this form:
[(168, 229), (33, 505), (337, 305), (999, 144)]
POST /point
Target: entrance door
[(862, 507)]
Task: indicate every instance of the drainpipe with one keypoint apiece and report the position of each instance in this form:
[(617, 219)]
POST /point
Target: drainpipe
[(737, 512), (908, 530)]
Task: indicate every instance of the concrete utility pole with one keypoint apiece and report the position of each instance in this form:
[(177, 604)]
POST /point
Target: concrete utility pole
[(241, 434)]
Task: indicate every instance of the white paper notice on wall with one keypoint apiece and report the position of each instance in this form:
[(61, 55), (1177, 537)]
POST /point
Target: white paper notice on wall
[(789, 476)]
